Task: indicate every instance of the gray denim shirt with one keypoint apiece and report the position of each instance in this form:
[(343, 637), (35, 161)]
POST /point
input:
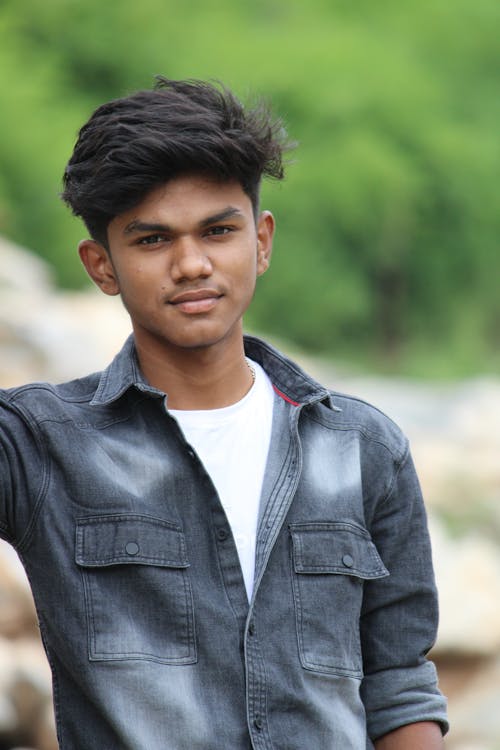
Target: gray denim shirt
[(139, 591)]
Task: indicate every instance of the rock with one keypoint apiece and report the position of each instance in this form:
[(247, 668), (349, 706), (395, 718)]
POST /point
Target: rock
[(8, 716), (468, 579), (26, 713), (17, 611), (50, 335), (22, 272), (474, 713)]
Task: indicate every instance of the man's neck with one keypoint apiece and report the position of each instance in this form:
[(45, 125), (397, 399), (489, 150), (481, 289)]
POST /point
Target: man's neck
[(197, 379)]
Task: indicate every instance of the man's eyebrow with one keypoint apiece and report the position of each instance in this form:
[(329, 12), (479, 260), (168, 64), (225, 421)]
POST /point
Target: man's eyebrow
[(228, 213), (145, 226), (136, 225)]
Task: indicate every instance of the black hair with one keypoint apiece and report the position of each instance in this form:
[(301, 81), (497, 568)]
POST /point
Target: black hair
[(131, 145)]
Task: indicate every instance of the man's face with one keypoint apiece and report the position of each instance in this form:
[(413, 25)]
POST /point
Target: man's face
[(185, 262)]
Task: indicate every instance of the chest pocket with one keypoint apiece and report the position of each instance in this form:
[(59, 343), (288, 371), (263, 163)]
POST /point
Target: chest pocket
[(137, 591), (330, 563)]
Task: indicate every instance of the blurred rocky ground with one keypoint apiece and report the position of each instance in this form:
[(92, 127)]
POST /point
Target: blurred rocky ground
[(455, 434)]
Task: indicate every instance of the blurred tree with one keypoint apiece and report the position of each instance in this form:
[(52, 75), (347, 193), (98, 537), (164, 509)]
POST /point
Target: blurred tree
[(388, 223)]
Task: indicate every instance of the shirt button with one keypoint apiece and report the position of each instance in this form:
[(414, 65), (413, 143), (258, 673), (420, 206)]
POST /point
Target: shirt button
[(258, 723), (222, 534), (348, 561), (132, 548)]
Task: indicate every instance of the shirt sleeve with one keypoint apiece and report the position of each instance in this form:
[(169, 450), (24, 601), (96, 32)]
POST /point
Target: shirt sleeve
[(21, 472), (400, 614)]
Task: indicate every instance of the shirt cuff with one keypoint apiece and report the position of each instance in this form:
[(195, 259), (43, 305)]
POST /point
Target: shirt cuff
[(397, 697)]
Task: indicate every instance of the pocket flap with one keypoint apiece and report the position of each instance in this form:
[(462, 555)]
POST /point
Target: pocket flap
[(341, 548), (129, 538)]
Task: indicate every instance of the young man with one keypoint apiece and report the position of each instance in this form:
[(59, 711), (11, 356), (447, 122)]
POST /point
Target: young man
[(224, 555)]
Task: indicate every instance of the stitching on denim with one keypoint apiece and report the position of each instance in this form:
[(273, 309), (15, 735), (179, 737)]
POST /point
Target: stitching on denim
[(395, 475), (189, 645), (373, 436), (83, 400), (299, 621), (25, 416), (119, 558), (283, 484), (378, 569)]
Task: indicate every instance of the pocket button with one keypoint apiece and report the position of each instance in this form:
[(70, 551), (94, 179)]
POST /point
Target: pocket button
[(132, 548), (348, 561)]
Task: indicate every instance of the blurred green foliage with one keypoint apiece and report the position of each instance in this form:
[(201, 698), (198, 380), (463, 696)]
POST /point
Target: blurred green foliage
[(388, 223)]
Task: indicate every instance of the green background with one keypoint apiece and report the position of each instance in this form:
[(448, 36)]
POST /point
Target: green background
[(386, 255)]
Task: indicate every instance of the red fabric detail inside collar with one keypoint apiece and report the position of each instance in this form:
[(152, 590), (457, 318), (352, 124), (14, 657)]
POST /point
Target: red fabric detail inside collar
[(284, 397)]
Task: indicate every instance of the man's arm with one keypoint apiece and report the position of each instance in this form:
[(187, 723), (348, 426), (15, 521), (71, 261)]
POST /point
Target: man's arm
[(399, 619), (424, 735), (22, 472)]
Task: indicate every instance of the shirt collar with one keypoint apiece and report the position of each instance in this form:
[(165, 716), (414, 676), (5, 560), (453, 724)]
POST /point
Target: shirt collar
[(289, 380), (123, 373)]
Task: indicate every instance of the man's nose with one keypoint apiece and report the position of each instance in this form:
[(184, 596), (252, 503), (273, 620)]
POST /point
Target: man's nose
[(189, 260)]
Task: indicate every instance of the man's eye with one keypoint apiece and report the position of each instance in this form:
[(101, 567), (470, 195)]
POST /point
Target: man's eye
[(151, 239), (217, 231)]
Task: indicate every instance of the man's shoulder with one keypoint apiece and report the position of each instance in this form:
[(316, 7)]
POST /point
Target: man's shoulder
[(333, 409), (347, 412), (55, 401), (43, 399)]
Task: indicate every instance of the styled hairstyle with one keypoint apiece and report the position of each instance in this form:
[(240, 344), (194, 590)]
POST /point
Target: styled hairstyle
[(131, 145)]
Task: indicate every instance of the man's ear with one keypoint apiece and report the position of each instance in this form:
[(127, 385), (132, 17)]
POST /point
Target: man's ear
[(265, 234), (97, 262)]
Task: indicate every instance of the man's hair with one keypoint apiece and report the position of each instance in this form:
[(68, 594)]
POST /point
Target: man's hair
[(131, 145)]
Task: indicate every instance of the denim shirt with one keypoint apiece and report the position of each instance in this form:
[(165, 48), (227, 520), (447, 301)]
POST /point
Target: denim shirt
[(140, 597)]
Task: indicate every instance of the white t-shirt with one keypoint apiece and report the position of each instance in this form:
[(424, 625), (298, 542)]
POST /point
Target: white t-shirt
[(233, 443)]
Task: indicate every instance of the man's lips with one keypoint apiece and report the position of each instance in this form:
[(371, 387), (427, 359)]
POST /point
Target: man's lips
[(195, 300)]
